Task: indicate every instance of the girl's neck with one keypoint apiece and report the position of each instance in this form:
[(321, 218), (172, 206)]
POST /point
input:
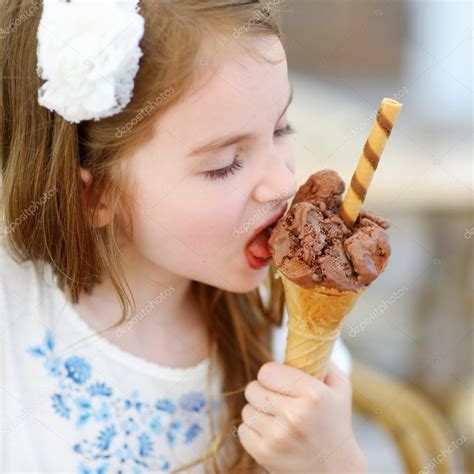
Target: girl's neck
[(167, 326)]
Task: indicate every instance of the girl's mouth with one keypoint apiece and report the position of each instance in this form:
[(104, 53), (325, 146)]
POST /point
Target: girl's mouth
[(257, 250)]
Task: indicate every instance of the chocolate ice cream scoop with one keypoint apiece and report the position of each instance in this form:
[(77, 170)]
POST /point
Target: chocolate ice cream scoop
[(311, 245), (325, 186)]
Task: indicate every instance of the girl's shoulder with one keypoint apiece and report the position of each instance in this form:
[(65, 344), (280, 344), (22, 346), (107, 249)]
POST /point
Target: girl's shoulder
[(27, 289)]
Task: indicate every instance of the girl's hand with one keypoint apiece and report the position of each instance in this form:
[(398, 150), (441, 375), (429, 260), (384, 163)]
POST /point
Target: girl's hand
[(296, 423)]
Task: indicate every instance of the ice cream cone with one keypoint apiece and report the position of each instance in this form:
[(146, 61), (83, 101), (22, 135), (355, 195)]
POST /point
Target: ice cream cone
[(314, 323)]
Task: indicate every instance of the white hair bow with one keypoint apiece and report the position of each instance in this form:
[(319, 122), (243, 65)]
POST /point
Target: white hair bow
[(88, 53)]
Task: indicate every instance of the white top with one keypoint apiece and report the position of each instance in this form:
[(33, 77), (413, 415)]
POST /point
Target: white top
[(69, 404)]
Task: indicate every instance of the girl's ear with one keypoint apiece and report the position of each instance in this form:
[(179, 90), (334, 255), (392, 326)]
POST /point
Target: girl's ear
[(99, 212)]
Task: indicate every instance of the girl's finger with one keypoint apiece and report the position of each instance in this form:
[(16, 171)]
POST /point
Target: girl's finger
[(264, 400), (285, 379), (256, 420), (337, 379), (250, 440)]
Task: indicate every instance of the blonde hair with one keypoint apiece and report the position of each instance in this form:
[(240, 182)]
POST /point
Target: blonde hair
[(42, 155)]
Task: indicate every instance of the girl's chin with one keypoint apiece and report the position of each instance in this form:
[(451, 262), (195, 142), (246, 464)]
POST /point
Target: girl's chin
[(240, 280), (252, 279)]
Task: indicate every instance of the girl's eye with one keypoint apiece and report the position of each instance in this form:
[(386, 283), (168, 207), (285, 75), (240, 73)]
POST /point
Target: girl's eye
[(223, 172), (237, 164), (288, 130)]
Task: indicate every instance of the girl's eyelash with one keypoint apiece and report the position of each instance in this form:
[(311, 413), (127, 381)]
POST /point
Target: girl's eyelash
[(288, 130), (237, 164), (223, 173)]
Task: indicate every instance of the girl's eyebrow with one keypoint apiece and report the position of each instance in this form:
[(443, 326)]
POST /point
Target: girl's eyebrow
[(223, 142)]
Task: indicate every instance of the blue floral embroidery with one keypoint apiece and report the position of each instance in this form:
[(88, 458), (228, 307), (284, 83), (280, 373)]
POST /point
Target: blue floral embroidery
[(122, 432), (193, 401), (60, 406), (191, 433), (165, 405), (77, 369)]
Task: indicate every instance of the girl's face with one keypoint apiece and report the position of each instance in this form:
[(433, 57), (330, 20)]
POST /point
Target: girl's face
[(193, 218)]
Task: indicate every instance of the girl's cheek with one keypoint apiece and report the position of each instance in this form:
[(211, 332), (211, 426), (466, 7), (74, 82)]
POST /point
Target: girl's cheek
[(200, 212), (203, 226)]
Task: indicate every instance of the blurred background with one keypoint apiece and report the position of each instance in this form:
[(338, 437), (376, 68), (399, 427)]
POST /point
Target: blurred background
[(416, 323)]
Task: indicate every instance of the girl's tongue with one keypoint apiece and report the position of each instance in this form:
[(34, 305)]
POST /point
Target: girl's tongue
[(259, 245)]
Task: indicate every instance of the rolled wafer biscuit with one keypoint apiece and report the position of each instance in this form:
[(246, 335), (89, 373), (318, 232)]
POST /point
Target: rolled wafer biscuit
[(369, 159)]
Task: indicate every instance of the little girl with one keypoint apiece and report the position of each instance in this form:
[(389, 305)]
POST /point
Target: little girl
[(145, 151)]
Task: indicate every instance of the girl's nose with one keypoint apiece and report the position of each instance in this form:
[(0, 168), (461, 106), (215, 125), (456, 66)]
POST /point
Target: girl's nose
[(278, 183)]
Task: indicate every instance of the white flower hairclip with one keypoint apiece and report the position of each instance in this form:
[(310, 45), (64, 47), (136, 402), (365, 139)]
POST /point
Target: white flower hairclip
[(88, 53)]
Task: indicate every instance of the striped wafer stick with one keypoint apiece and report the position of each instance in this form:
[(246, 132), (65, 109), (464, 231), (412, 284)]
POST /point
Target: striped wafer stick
[(369, 159)]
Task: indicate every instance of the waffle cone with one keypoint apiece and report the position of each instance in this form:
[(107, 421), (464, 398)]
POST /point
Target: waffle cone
[(314, 323)]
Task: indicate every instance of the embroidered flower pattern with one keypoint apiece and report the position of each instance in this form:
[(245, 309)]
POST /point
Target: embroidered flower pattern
[(118, 434)]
